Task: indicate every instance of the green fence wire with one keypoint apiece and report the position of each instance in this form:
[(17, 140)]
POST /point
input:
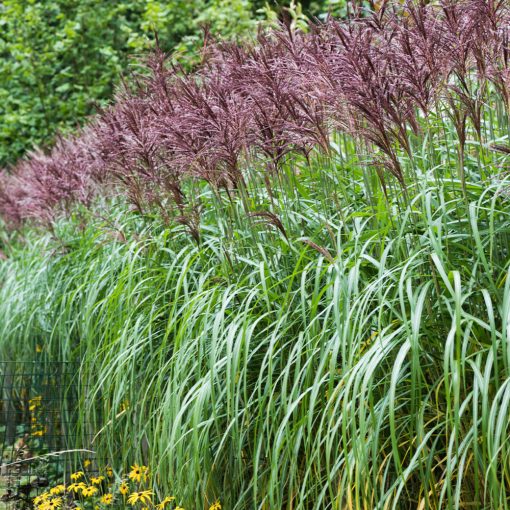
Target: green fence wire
[(41, 438)]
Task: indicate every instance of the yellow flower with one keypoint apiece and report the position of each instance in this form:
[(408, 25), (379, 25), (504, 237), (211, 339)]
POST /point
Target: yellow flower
[(58, 489), (89, 491), (138, 472), (87, 463), (51, 504), (179, 508), (109, 471), (107, 499), (34, 403), (142, 497), (165, 502), (77, 476), (76, 487), (38, 433), (41, 498), (96, 480), (123, 488), (215, 506)]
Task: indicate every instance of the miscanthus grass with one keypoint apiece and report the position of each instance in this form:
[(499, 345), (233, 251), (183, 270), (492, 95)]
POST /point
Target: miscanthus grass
[(320, 329)]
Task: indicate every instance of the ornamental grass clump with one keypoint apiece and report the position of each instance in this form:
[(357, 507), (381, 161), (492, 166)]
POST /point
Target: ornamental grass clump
[(335, 332)]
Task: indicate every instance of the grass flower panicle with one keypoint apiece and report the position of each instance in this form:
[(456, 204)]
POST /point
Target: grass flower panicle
[(372, 78)]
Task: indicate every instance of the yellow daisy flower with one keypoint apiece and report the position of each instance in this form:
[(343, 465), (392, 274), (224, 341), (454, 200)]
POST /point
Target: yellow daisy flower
[(123, 488), (87, 463), (77, 476), (215, 506), (34, 403), (41, 498), (138, 472), (51, 504), (96, 480), (165, 502), (142, 497), (107, 499), (76, 487), (109, 471), (89, 491), (58, 489)]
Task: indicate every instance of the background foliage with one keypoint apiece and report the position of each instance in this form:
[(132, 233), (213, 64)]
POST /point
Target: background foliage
[(59, 59)]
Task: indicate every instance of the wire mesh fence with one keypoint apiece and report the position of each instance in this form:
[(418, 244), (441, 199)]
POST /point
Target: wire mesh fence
[(41, 437)]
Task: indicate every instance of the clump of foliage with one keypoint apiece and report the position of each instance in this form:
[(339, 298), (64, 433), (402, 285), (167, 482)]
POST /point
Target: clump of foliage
[(291, 264)]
